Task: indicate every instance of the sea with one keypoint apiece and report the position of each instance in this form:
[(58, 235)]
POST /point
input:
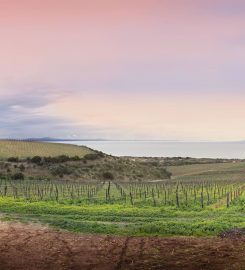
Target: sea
[(231, 150)]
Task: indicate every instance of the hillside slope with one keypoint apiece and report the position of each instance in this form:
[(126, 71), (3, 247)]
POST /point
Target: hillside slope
[(24, 149)]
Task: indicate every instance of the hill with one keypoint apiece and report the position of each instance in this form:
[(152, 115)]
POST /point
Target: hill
[(24, 149), (59, 161)]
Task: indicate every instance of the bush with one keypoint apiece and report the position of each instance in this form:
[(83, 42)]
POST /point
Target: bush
[(108, 176), (167, 173), (2, 176), (92, 156), (75, 158), (60, 159), (60, 170), (37, 160), (17, 176), (13, 159), (22, 167)]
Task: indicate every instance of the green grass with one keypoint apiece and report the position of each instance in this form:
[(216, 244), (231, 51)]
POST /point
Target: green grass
[(213, 171), (151, 214), (127, 220), (184, 195), (24, 149)]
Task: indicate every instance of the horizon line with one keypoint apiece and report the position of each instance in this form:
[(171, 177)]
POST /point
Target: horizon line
[(43, 139)]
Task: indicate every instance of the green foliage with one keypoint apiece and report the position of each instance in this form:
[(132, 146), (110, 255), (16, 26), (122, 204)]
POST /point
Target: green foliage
[(108, 176), (92, 156), (126, 209), (59, 159), (36, 159), (22, 167), (13, 159), (125, 220), (60, 170), (17, 176)]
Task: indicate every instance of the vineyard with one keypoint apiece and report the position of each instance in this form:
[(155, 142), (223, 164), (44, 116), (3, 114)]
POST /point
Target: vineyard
[(198, 200), (161, 208), (187, 195)]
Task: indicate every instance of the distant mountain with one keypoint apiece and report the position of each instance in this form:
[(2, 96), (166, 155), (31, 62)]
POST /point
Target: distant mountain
[(49, 139)]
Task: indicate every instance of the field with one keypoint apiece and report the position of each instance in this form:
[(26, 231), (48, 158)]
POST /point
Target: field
[(163, 209), (24, 149), (132, 223), (204, 197), (232, 170)]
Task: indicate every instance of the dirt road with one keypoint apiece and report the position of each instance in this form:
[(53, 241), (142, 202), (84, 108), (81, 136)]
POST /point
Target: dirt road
[(33, 247)]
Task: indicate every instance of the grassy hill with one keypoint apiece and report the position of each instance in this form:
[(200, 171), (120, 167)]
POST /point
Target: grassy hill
[(24, 149), (91, 165)]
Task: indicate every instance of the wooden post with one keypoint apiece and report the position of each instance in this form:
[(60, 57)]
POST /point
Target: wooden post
[(228, 200)]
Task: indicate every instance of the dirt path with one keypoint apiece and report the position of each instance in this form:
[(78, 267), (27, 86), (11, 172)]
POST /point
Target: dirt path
[(33, 247)]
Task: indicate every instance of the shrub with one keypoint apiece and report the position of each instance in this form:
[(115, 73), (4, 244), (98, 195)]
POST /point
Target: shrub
[(36, 160), (75, 158), (60, 170), (108, 176), (2, 175), (92, 156), (60, 159), (22, 167), (13, 159), (17, 176), (63, 158), (167, 173)]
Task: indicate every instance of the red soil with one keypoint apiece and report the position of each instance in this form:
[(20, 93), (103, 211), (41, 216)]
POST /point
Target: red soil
[(33, 247)]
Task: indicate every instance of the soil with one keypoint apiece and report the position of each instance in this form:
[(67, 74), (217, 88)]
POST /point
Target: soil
[(34, 247)]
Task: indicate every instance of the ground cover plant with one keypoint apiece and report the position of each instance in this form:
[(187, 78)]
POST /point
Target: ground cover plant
[(97, 193), (127, 209)]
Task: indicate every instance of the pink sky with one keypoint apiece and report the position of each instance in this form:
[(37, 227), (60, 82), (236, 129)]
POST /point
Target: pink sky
[(122, 69)]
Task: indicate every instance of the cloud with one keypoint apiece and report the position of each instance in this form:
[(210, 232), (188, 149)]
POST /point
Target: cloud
[(23, 114), (65, 67)]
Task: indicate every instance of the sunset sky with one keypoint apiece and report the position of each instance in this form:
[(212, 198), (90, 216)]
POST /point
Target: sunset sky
[(122, 69)]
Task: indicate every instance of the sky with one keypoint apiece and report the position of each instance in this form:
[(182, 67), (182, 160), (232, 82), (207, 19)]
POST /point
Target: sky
[(122, 69)]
